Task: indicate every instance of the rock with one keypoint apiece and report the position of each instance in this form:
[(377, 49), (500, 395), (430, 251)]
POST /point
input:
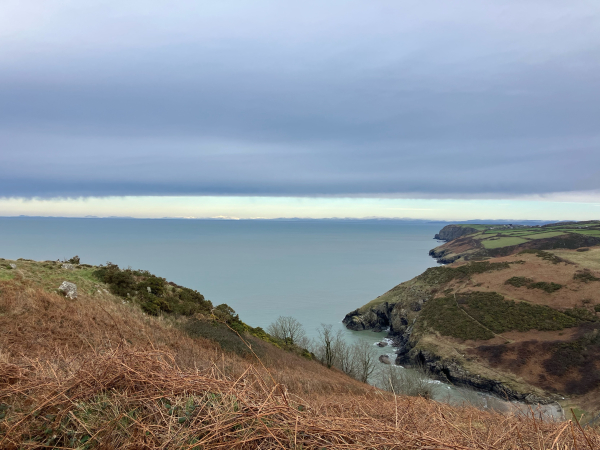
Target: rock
[(69, 289), (13, 266), (149, 290), (385, 359), (451, 232), (68, 266), (382, 344)]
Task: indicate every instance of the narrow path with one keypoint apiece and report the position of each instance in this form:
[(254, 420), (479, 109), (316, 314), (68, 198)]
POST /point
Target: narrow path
[(469, 315)]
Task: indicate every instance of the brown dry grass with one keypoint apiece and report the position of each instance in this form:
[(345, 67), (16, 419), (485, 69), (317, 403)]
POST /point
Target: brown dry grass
[(97, 373), (142, 399)]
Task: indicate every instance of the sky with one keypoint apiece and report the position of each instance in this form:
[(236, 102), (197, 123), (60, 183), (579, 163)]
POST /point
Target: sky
[(430, 109)]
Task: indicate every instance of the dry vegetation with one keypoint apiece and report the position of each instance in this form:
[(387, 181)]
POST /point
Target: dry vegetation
[(96, 372)]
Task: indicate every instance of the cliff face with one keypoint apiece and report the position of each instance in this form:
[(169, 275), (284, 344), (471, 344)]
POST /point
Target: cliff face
[(397, 309), (451, 232)]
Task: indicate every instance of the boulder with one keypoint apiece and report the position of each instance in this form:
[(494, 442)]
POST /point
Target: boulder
[(382, 344), (385, 359), (68, 266), (13, 266), (69, 289)]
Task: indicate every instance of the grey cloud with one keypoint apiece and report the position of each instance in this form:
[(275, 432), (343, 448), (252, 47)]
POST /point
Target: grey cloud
[(254, 98)]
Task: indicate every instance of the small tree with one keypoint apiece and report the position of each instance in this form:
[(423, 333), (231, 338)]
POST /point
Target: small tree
[(325, 347), (365, 360), (344, 358), (289, 330)]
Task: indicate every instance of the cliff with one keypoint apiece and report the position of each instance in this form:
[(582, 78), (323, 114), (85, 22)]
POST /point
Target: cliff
[(477, 242), (451, 232), (524, 325)]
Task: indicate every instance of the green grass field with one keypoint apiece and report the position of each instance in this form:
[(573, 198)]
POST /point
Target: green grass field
[(502, 242)]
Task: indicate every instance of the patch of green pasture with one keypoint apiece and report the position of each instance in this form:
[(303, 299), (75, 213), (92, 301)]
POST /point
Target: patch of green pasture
[(49, 275), (502, 242), (6, 275)]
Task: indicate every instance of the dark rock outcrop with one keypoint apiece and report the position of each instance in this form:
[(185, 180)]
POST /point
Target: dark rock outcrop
[(443, 256), (454, 373), (451, 232)]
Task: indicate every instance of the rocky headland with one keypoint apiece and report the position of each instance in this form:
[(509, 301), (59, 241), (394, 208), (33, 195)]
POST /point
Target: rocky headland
[(523, 325)]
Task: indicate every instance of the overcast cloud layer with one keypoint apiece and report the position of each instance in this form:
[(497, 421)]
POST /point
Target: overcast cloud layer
[(420, 98)]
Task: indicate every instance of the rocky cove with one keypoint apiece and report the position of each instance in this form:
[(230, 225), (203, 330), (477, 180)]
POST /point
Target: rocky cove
[(406, 311), (406, 354)]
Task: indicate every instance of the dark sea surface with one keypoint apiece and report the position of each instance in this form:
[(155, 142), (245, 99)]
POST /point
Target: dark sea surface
[(316, 271)]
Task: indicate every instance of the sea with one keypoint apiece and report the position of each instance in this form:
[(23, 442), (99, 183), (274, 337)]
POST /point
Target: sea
[(313, 270), (316, 271)]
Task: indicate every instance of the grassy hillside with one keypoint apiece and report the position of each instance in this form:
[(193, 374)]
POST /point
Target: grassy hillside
[(99, 371), (529, 321), (489, 240)]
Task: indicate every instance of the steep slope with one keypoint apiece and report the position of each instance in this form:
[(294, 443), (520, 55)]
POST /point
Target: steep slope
[(524, 326), (97, 371)]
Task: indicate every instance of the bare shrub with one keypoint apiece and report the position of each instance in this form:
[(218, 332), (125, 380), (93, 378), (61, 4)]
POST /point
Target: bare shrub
[(365, 360), (288, 330)]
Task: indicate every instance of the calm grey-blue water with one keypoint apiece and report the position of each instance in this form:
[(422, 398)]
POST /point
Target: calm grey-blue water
[(316, 271)]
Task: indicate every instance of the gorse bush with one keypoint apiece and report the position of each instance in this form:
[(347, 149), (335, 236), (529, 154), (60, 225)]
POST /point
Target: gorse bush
[(585, 276), (545, 286), (478, 315), (519, 281), (548, 287), (441, 275), (152, 293)]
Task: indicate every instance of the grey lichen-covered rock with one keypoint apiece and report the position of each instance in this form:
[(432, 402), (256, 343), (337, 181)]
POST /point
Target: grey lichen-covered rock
[(68, 266), (69, 289), (13, 266), (149, 290)]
